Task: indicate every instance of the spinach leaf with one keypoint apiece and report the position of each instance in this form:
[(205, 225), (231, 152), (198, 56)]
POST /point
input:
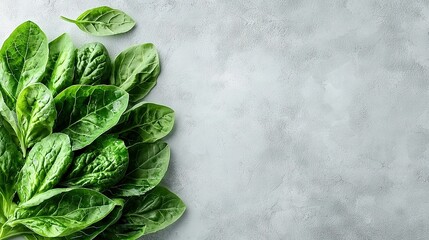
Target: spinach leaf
[(86, 112), (8, 120), (92, 65), (94, 230), (101, 165), (11, 162), (147, 214), (61, 212), (103, 21), (35, 110), (136, 70), (145, 122), (60, 68), (148, 165), (47, 161), (7, 232), (23, 59)]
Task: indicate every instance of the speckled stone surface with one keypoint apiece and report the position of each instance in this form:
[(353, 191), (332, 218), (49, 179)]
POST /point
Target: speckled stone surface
[(296, 119)]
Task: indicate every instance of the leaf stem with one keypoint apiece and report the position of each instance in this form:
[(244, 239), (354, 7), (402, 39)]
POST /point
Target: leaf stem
[(68, 19)]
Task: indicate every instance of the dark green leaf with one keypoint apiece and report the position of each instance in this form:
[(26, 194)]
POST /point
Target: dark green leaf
[(60, 68), (101, 165), (136, 70), (103, 21), (145, 122), (35, 110), (147, 214), (47, 161), (147, 167), (86, 112), (92, 65), (61, 212), (97, 228), (23, 59)]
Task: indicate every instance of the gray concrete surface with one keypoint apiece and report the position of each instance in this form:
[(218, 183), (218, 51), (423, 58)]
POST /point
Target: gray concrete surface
[(295, 119)]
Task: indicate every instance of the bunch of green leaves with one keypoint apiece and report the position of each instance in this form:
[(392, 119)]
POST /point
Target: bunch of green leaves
[(81, 155)]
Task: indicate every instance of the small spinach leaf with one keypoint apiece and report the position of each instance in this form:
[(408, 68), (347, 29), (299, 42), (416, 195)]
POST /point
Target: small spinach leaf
[(147, 214), (61, 212), (60, 68), (86, 112), (148, 165), (23, 59), (101, 165), (35, 110), (145, 122), (136, 70), (47, 161), (103, 21), (92, 65)]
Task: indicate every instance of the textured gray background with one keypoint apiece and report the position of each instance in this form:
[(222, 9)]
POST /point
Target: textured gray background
[(295, 119)]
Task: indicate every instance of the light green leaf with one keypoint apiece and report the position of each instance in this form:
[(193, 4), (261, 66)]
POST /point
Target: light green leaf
[(103, 21), (23, 59), (35, 110)]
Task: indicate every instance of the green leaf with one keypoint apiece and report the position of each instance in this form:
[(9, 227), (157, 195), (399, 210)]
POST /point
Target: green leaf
[(60, 68), (47, 161), (101, 165), (35, 110), (147, 214), (61, 212), (103, 21), (148, 165), (86, 112), (136, 70), (97, 228), (23, 59), (7, 232), (145, 122), (11, 162), (9, 120), (92, 65)]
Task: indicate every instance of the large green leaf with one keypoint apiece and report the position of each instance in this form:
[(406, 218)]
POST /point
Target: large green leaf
[(47, 161), (101, 165), (147, 214), (86, 112), (136, 70), (148, 165), (92, 65), (60, 68), (11, 162), (35, 110), (23, 59), (97, 228), (103, 21), (145, 122), (61, 212)]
